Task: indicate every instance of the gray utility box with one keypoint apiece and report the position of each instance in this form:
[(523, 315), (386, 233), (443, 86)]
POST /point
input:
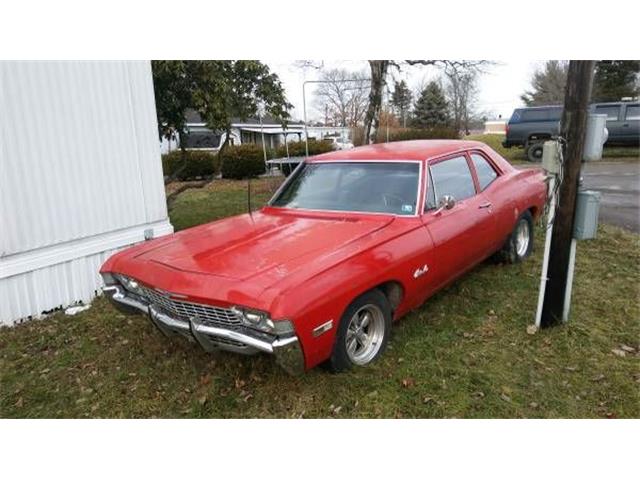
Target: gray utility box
[(585, 224)]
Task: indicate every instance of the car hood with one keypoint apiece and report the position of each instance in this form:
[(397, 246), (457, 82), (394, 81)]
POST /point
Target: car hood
[(246, 246)]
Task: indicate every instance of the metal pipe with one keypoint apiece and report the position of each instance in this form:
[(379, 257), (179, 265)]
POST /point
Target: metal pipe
[(567, 292), (304, 112), (264, 148), (547, 250)]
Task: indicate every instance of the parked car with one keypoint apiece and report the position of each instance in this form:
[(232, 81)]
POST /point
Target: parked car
[(339, 143), (530, 127), (623, 122), (351, 241)]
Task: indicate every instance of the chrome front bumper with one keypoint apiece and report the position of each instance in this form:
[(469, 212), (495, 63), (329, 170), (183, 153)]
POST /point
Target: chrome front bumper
[(287, 350)]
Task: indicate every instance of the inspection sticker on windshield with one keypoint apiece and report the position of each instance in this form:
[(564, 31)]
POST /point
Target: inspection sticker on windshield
[(407, 208)]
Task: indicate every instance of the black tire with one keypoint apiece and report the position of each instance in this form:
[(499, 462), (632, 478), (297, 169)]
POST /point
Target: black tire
[(340, 359), (534, 152), (510, 252)]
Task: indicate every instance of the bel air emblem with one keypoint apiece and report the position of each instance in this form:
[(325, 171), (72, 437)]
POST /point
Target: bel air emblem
[(421, 271)]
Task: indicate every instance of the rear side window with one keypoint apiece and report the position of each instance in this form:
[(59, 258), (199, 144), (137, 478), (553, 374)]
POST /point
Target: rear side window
[(611, 111), (633, 112), (541, 114), (486, 173), (452, 177)]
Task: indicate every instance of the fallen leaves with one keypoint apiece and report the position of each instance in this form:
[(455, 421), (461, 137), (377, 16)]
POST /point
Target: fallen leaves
[(335, 410), (408, 382)]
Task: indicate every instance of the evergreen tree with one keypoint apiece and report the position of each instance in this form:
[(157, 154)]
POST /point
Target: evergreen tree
[(431, 108), (615, 79), (401, 100)]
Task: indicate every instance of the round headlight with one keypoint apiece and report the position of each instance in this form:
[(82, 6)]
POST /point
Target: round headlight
[(255, 319), (129, 284)]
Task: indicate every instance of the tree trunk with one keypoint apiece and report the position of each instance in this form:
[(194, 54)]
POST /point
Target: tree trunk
[(372, 118)]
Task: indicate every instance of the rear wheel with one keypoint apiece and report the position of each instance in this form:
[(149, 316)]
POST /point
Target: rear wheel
[(520, 243), (534, 152), (363, 332)]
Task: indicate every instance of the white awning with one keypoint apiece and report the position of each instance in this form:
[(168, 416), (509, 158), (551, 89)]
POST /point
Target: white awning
[(273, 130)]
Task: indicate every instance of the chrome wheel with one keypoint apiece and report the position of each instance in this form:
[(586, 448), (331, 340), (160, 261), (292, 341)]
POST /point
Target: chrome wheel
[(365, 334), (522, 237)]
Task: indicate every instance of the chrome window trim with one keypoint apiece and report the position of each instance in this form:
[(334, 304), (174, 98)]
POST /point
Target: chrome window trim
[(420, 188), (435, 191)]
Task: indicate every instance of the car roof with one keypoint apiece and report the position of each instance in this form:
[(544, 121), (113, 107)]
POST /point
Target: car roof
[(540, 107), (399, 151)]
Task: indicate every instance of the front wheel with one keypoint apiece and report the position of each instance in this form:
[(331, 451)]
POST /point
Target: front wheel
[(520, 243), (534, 152), (363, 332)]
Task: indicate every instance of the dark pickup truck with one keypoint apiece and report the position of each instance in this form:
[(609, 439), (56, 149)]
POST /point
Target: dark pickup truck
[(530, 127)]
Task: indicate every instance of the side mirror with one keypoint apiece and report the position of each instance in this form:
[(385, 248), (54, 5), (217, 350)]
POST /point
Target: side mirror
[(447, 202)]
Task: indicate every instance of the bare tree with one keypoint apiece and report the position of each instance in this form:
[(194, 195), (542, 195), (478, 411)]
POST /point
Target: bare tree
[(462, 91), (547, 84), (379, 70), (342, 98)]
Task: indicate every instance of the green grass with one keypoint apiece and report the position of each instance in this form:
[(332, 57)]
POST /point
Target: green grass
[(465, 353), (516, 155), (221, 198)]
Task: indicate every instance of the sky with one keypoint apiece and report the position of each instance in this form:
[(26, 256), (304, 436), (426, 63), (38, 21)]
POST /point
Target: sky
[(499, 88)]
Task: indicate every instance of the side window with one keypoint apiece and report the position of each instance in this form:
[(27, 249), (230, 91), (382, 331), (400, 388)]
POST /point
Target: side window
[(453, 177), (611, 111), (486, 173), (541, 114), (633, 112)]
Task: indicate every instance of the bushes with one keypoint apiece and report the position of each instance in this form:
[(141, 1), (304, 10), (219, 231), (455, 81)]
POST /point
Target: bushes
[(189, 164), (400, 134), (297, 149), (243, 161)]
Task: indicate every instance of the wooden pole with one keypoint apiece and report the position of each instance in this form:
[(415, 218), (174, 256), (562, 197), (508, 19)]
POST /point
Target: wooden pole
[(572, 131)]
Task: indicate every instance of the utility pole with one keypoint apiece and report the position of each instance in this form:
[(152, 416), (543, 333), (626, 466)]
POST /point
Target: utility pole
[(572, 132)]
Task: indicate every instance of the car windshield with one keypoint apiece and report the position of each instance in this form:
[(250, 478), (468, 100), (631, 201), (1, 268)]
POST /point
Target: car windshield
[(377, 187)]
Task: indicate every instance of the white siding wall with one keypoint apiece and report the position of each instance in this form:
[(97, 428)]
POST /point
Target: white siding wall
[(80, 176)]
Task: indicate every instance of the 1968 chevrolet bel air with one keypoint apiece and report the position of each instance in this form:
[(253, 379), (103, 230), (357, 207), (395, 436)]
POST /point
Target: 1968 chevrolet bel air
[(351, 241)]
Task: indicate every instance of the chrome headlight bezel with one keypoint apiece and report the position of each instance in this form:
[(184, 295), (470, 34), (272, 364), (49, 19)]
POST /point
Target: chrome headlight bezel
[(261, 320), (130, 284)]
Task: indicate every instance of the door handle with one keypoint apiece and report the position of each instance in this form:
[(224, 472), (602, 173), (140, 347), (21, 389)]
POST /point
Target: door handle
[(485, 205)]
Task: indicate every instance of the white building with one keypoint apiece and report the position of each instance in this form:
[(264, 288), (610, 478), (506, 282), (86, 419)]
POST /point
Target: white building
[(80, 178), (250, 130), (495, 127)]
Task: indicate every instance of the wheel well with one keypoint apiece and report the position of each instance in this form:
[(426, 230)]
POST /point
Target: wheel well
[(536, 137), (534, 212), (394, 292)]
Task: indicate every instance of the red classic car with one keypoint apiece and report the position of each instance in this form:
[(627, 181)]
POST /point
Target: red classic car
[(351, 241)]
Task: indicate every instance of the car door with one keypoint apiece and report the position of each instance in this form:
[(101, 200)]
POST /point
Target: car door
[(461, 235), (498, 212), (631, 124)]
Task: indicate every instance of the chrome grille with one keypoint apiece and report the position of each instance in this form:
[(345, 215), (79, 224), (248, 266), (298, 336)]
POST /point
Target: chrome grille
[(213, 316)]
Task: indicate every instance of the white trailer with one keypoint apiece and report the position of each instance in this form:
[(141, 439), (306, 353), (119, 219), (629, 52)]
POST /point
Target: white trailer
[(80, 178)]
